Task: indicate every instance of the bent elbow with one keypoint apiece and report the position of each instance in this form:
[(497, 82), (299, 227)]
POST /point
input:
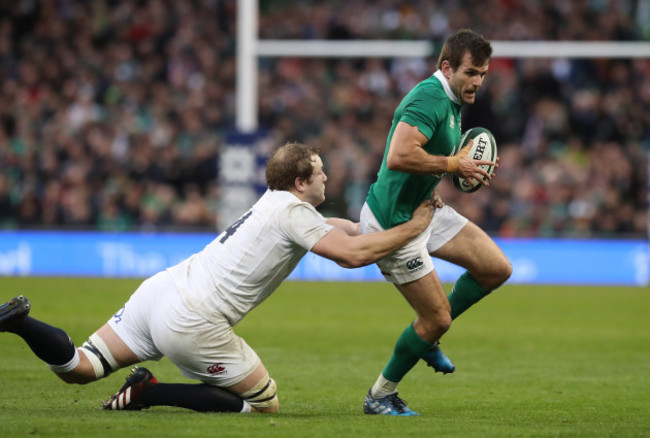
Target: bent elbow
[(357, 261), (348, 262), (393, 162), (395, 159), (345, 264)]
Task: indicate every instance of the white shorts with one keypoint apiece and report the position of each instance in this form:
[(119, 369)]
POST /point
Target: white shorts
[(155, 323), (413, 261)]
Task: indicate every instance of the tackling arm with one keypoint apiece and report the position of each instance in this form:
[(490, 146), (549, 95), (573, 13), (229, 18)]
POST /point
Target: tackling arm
[(351, 228), (356, 251)]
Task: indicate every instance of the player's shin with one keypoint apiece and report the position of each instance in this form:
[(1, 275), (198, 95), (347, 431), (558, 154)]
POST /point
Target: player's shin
[(409, 348), (200, 398), (50, 344), (466, 293)]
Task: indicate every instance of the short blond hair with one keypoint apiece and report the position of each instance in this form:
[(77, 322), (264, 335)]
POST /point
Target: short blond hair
[(288, 162)]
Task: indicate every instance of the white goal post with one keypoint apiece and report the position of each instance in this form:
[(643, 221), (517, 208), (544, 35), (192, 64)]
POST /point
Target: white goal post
[(250, 48)]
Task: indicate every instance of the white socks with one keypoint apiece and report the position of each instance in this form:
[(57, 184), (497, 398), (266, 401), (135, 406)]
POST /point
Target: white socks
[(383, 387)]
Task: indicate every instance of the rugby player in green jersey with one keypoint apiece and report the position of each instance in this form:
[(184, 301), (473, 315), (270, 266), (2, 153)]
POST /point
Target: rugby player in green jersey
[(423, 146)]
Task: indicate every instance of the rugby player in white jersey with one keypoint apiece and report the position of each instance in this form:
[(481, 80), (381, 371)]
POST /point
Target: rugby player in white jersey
[(187, 312)]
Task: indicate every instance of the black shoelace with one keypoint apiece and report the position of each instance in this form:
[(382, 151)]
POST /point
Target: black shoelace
[(398, 403)]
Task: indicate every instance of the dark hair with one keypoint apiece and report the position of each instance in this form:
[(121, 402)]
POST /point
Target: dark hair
[(291, 161), (462, 41)]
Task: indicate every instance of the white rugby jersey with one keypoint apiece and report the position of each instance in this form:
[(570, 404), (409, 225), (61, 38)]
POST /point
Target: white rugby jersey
[(244, 264)]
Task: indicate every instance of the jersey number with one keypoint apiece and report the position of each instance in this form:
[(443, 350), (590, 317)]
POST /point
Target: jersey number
[(231, 229)]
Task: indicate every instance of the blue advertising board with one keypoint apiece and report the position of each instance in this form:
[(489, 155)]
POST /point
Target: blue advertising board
[(92, 254)]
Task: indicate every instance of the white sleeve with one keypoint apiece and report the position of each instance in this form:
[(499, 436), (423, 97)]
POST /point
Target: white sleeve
[(303, 225)]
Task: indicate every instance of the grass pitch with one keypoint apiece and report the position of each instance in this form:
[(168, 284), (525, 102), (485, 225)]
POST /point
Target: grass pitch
[(542, 361)]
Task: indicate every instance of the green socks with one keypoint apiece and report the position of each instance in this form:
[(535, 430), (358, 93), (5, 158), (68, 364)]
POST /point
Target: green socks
[(466, 293), (410, 347), (408, 350)]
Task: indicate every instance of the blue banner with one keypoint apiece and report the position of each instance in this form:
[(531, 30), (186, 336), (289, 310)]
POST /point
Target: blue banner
[(92, 254), (242, 164)]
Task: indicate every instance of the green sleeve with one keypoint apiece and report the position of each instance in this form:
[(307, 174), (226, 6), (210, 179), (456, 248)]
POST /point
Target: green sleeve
[(417, 114)]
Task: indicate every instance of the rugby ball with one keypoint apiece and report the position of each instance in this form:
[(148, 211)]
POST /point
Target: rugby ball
[(484, 148)]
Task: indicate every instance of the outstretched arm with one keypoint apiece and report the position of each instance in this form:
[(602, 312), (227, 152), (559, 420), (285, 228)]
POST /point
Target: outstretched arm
[(356, 251), (351, 228)]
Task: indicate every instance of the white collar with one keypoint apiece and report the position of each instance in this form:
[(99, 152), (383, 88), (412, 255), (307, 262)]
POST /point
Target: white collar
[(445, 84)]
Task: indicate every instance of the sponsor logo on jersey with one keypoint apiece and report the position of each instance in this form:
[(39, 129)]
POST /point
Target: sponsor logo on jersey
[(414, 264), (217, 369)]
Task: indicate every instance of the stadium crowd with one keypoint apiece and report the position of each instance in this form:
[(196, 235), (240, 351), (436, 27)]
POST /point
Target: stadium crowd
[(113, 112)]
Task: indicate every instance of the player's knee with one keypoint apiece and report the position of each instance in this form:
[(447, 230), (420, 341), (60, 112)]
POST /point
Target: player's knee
[(80, 373), (444, 322), (263, 396), (494, 275), (435, 325), (78, 376), (501, 273), (76, 370), (506, 271)]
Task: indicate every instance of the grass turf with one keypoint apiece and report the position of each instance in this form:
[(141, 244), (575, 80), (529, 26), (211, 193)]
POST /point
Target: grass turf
[(532, 361)]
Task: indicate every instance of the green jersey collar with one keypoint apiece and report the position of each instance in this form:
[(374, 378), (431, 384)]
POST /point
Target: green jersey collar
[(443, 80)]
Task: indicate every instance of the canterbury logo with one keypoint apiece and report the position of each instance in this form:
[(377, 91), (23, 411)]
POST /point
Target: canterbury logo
[(216, 369), (415, 264)]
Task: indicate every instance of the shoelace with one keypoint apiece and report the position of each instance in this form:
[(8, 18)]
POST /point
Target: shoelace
[(397, 403)]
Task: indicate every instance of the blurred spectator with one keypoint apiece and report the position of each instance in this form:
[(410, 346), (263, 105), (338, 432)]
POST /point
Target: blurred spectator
[(112, 113)]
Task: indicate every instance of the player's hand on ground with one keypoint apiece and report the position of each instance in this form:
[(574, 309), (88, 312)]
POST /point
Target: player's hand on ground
[(466, 167), (436, 200), (423, 214)]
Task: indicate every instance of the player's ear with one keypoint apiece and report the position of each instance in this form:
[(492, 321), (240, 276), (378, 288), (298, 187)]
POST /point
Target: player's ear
[(299, 184), (446, 69)]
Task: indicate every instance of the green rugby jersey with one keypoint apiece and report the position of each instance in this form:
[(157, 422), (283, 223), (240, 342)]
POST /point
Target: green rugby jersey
[(436, 113)]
